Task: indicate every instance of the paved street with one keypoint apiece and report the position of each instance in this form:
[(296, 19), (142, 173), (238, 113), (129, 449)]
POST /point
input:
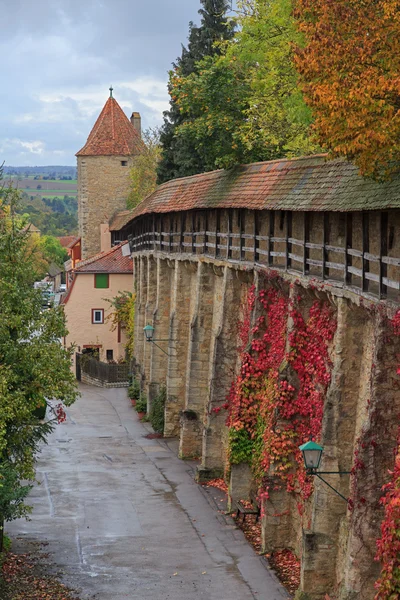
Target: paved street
[(123, 517)]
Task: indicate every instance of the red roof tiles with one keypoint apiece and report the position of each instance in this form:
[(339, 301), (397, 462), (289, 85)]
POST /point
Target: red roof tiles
[(113, 134), (67, 241), (111, 261), (305, 184)]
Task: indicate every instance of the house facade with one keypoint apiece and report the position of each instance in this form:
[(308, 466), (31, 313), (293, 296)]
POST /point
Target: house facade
[(93, 284)]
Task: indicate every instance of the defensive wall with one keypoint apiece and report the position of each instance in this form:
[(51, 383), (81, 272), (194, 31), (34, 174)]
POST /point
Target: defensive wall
[(296, 262)]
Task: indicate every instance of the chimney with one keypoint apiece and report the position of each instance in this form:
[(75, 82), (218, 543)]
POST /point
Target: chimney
[(137, 122)]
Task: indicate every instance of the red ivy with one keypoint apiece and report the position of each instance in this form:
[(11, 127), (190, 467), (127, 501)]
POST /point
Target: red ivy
[(279, 394), (388, 585)]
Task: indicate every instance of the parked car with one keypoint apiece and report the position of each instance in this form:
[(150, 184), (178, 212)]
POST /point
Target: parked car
[(63, 287)]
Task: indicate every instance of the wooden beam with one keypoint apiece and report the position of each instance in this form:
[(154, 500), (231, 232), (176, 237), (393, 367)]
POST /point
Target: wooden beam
[(183, 219), (205, 247)]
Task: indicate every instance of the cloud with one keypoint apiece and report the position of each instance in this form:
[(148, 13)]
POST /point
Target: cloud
[(60, 57)]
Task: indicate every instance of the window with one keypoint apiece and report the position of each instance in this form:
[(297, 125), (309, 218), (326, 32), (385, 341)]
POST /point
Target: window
[(101, 280), (124, 163), (110, 354), (97, 315)]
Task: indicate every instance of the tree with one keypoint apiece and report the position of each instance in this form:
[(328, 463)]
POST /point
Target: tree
[(34, 366), (179, 157), (349, 67), (246, 101), (143, 173)]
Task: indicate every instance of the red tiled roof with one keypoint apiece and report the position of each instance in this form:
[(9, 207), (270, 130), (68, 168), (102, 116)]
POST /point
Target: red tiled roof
[(111, 261), (113, 134), (67, 241), (305, 184)]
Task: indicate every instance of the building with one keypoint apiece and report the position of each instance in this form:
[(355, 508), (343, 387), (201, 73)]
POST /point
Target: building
[(103, 172), (93, 283), (72, 244)]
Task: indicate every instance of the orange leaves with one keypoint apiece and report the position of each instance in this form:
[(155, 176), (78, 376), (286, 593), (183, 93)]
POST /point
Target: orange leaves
[(349, 70)]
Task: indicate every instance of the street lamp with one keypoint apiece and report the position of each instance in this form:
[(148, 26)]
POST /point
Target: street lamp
[(149, 332), (312, 454)]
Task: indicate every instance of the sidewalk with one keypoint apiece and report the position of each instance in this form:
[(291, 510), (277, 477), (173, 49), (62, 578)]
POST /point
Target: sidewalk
[(123, 517)]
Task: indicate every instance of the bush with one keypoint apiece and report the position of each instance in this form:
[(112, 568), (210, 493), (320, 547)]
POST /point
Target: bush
[(134, 390), (141, 404), (157, 411)]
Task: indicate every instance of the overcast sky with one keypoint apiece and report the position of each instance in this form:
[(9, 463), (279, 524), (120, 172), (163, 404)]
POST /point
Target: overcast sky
[(59, 57)]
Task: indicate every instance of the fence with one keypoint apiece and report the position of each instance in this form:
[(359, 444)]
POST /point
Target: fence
[(103, 374)]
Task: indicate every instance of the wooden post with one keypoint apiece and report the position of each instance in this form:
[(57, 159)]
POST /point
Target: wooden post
[(306, 237), (229, 238), (193, 236), (325, 242), (154, 231), (205, 247), (181, 248), (348, 243), (256, 242), (161, 233), (241, 232), (170, 233), (271, 227), (288, 235), (217, 228), (365, 248), (383, 247)]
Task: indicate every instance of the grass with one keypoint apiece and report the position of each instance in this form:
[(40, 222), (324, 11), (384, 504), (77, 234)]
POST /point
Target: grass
[(50, 193)]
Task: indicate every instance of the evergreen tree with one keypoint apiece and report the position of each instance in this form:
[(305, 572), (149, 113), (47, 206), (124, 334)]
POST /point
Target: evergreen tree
[(179, 156)]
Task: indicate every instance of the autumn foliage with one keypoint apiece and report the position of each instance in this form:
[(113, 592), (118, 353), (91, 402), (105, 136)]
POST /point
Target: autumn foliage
[(350, 74)]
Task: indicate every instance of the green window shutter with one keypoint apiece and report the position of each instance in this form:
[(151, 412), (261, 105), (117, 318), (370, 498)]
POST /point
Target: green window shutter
[(101, 280)]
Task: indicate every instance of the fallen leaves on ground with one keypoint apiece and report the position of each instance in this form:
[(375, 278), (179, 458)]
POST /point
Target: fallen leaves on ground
[(23, 578), (217, 483), (287, 567), (250, 528)]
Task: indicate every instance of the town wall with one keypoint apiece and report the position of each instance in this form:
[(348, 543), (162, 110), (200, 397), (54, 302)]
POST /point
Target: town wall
[(196, 299)]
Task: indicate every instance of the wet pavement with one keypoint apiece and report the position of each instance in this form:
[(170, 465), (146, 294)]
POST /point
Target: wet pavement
[(123, 518)]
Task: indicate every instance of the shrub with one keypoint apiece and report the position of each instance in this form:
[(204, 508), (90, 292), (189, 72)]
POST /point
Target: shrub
[(157, 411), (134, 390), (141, 403)]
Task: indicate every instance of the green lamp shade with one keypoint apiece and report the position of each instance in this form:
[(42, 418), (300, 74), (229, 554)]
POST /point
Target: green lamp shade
[(148, 332), (312, 453)]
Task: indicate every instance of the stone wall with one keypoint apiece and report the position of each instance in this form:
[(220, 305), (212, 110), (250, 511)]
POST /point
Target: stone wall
[(103, 187), (195, 304)]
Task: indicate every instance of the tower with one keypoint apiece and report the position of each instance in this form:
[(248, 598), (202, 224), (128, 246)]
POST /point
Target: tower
[(103, 171)]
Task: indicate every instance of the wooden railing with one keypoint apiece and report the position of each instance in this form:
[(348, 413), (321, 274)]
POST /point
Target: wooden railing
[(365, 261)]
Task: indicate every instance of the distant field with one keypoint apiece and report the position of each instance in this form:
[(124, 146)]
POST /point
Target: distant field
[(29, 185), (49, 193)]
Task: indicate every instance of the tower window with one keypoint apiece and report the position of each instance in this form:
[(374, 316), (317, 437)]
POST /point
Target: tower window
[(124, 163)]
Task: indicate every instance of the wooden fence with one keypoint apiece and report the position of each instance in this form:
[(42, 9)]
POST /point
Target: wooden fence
[(104, 372)]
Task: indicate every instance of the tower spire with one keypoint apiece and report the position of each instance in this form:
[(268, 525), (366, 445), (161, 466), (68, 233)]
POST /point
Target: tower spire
[(111, 91)]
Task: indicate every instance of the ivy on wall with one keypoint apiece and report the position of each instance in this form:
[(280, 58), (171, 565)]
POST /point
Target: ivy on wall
[(388, 585), (276, 402)]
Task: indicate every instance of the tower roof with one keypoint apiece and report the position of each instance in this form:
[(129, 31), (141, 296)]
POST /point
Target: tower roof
[(113, 134)]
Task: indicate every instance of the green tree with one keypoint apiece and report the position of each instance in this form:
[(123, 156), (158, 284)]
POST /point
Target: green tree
[(179, 156), (34, 366), (143, 173), (246, 101)]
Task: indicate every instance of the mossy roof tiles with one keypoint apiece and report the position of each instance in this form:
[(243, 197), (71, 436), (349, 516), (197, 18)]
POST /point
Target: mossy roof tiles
[(302, 184), (113, 134)]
